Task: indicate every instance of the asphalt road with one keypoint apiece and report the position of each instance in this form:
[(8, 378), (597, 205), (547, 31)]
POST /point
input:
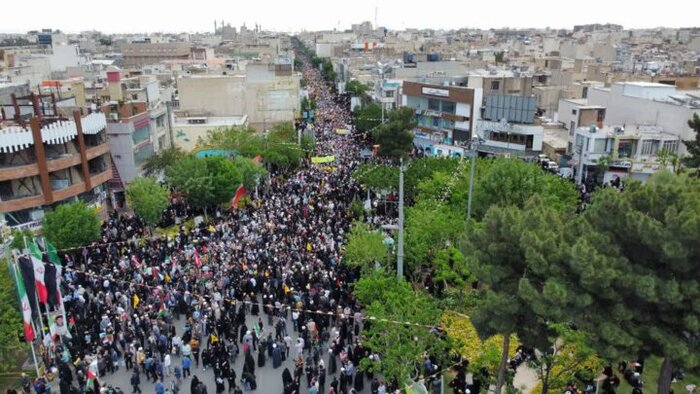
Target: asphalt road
[(269, 379)]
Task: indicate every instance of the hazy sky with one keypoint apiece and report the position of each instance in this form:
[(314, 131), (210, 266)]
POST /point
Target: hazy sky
[(293, 15)]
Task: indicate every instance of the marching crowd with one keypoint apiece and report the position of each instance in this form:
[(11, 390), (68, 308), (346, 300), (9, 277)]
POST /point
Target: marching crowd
[(260, 288)]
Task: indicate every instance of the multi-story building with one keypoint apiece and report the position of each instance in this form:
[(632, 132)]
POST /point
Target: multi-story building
[(51, 160), (446, 116), (575, 113), (647, 103), (140, 54), (130, 138), (508, 126), (265, 94), (629, 151)]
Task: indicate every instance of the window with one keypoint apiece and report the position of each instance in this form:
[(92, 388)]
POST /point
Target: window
[(436, 122), (649, 147), (448, 107), (389, 93), (584, 93), (599, 145), (495, 85), (434, 104), (671, 146), (573, 111), (572, 127)]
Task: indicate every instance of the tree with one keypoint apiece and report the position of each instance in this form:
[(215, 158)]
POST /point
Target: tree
[(652, 263), (513, 182), (367, 118), (356, 88), (395, 138), (18, 238), (499, 262), (466, 341), (148, 199), (365, 247), (666, 158), (401, 345), (251, 172), (11, 323), (71, 225), (568, 355), (429, 229), (500, 56), (206, 182), (693, 146), (630, 279), (155, 165)]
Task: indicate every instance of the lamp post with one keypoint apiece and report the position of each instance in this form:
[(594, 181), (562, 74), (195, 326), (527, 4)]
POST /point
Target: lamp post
[(399, 254)]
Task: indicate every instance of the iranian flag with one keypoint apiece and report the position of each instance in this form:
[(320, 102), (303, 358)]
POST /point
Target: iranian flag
[(26, 308), (240, 192), (39, 269)]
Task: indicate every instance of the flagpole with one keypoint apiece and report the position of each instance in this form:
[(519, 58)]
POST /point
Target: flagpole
[(31, 343)]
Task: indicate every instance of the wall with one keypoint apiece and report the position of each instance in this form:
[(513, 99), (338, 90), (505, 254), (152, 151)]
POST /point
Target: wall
[(212, 95), (65, 56), (632, 110)]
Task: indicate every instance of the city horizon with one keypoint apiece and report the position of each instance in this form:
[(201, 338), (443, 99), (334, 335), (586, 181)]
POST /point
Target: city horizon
[(293, 18)]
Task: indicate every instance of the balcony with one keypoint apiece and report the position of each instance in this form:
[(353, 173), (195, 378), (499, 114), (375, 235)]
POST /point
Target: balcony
[(18, 204)]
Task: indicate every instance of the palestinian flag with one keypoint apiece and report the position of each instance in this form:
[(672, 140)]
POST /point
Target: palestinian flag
[(240, 192), (71, 323), (39, 270), (26, 308), (91, 378)]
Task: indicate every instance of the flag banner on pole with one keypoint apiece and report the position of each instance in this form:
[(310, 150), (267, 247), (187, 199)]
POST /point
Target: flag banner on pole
[(197, 260), (39, 271), (240, 192), (55, 261), (136, 262), (26, 268), (91, 376), (26, 307)]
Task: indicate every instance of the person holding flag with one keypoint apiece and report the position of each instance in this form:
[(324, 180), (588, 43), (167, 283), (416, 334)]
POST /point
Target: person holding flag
[(240, 192)]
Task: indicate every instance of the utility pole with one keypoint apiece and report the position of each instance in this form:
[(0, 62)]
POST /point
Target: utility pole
[(399, 258), (471, 182)]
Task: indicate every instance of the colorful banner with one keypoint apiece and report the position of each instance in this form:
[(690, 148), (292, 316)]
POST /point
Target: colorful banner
[(322, 159)]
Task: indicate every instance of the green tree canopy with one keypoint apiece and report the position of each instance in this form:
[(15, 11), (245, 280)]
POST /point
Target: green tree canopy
[(356, 88), (72, 225), (395, 138), (252, 172), (365, 247), (401, 345), (368, 117), (156, 164), (148, 199), (206, 182), (513, 182), (11, 323)]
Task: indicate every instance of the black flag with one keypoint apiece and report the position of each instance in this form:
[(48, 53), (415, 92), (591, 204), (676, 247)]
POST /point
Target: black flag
[(27, 269)]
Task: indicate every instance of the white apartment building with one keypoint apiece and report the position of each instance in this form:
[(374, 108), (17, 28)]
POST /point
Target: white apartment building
[(632, 151), (645, 103)]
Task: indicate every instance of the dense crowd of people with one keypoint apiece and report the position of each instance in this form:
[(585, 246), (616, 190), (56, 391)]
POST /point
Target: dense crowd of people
[(259, 287)]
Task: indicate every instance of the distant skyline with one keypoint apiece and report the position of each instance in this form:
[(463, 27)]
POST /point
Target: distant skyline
[(132, 16)]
